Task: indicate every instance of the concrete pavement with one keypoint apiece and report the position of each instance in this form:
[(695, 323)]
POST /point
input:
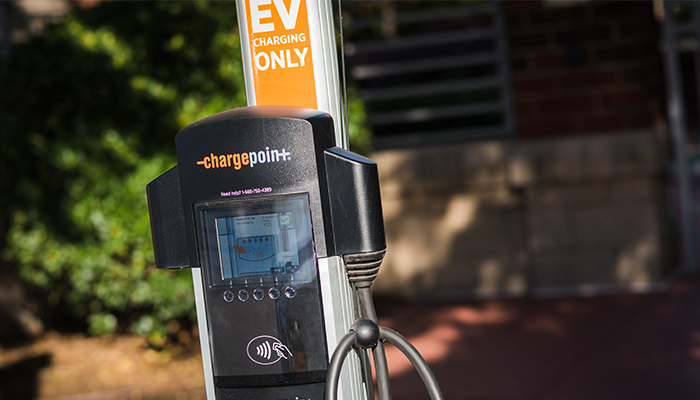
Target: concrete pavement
[(631, 346)]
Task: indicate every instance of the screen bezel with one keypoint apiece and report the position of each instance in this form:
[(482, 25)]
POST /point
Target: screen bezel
[(207, 214)]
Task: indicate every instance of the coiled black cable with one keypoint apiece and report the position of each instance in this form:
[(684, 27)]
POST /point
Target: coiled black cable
[(363, 334)]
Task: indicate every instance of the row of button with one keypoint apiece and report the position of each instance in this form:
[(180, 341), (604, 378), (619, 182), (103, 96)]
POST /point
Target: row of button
[(259, 294)]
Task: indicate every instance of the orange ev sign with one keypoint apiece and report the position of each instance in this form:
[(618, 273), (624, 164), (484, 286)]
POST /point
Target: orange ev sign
[(280, 47)]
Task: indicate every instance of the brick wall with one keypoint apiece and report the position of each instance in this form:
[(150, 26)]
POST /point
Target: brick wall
[(584, 68), (581, 213), (582, 208)]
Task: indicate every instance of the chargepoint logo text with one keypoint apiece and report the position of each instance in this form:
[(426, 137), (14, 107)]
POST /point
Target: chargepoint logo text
[(238, 160)]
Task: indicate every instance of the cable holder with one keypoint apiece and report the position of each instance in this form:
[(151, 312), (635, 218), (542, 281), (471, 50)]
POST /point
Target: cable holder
[(362, 268), (366, 334)]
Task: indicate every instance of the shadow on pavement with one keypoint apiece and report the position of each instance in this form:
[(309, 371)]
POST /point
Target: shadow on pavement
[(21, 379), (644, 346)]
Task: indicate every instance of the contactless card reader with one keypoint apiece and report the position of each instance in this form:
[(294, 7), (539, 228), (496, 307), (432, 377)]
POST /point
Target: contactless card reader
[(264, 207)]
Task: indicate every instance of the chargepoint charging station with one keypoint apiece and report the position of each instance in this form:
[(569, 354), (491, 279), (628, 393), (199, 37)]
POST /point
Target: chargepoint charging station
[(282, 228), (264, 203)]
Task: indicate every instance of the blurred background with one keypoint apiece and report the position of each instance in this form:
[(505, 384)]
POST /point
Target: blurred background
[(539, 175)]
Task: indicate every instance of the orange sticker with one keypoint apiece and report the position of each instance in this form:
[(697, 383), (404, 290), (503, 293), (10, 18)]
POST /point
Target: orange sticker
[(280, 47)]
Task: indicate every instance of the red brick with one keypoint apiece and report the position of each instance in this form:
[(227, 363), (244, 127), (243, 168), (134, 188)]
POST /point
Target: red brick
[(518, 6), (525, 109), (591, 78), (613, 9), (567, 105), (550, 60), (574, 15), (646, 27), (529, 84), (546, 128), (528, 41), (586, 33), (644, 73), (640, 119), (519, 65), (629, 52), (624, 98), (516, 23), (595, 123)]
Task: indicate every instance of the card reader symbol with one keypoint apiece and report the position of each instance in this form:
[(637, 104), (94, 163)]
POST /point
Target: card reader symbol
[(267, 350)]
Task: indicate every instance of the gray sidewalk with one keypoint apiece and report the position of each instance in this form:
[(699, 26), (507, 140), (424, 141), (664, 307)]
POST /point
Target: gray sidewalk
[(644, 346)]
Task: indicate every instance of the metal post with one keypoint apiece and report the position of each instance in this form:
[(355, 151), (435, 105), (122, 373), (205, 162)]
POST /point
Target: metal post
[(290, 56), (677, 127)]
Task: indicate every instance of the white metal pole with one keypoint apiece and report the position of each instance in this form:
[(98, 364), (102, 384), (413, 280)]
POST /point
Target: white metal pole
[(677, 127), (290, 56)]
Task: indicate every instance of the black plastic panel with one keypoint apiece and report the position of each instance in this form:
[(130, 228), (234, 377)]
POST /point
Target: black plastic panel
[(274, 333), (297, 392), (168, 221), (356, 204)]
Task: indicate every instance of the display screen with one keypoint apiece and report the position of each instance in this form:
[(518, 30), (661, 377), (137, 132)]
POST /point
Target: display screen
[(256, 240), (257, 244)]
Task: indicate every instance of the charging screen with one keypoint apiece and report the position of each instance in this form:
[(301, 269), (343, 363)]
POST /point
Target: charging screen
[(255, 241)]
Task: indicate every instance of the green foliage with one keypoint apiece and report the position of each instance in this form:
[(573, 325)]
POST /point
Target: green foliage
[(89, 112), (358, 133)]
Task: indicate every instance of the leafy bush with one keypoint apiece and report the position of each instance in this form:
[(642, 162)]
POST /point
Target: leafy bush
[(89, 113)]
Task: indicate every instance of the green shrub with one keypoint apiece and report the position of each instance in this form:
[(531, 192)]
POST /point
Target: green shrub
[(89, 114)]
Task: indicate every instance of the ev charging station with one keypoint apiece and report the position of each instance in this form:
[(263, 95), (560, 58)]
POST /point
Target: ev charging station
[(281, 225)]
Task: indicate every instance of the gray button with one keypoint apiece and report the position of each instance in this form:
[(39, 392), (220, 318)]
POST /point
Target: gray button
[(290, 292)]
